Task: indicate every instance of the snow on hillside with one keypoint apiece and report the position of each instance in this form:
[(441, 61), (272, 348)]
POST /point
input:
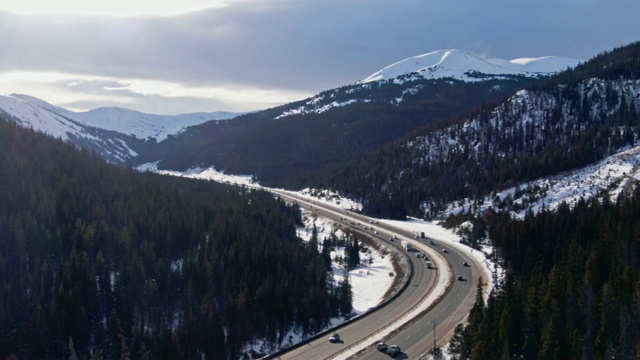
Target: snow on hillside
[(462, 65), (56, 121), (39, 116), (455, 64), (609, 177)]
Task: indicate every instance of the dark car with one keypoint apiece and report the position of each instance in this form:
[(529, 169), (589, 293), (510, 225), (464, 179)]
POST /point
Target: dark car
[(382, 347), (334, 338)]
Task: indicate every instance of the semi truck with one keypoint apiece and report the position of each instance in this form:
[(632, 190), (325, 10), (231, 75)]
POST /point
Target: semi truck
[(407, 245)]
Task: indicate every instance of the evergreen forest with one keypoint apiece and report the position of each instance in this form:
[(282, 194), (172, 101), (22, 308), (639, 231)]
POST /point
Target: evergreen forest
[(571, 288), (103, 262)]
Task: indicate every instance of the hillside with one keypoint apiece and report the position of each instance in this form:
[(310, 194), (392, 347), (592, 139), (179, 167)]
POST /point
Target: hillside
[(570, 288), (565, 122), (99, 261), (294, 144)]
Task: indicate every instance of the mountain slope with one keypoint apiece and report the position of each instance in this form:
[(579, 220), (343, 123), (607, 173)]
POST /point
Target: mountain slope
[(292, 145), (565, 122), (116, 134), (96, 259), (409, 74)]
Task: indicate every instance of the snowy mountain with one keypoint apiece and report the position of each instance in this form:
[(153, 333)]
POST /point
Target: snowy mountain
[(115, 133), (407, 77), (465, 66), (517, 155)]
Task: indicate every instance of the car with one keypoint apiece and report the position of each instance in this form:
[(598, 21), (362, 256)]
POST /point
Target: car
[(334, 338), (392, 239), (382, 347), (375, 232), (418, 255), (465, 264), (461, 278), (430, 242), (444, 250), (394, 350)]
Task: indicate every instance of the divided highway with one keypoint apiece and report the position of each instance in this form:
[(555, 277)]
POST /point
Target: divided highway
[(416, 337)]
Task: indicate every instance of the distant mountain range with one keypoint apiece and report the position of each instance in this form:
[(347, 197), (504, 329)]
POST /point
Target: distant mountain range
[(118, 134)]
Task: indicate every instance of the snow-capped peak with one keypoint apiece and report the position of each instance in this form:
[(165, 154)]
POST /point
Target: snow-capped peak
[(462, 65), (59, 122)]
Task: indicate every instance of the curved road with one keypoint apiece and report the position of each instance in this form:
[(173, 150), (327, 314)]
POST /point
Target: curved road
[(416, 338)]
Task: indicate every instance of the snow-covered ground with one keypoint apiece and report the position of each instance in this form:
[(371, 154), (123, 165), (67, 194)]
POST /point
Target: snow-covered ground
[(609, 177)]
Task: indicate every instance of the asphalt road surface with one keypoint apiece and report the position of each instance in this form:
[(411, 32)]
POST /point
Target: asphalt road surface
[(416, 338)]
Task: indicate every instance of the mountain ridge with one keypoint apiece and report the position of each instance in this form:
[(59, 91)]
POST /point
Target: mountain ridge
[(463, 65), (117, 119)]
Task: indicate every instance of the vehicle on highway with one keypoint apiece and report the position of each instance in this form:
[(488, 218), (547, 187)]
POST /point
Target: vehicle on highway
[(334, 338), (418, 255), (430, 242), (394, 350), (444, 250), (392, 238), (461, 278), (429, 265), (382, 347), (465, 264), (407, 245)]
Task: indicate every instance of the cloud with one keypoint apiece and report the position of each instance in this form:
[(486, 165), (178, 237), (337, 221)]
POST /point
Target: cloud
[(57, 88)]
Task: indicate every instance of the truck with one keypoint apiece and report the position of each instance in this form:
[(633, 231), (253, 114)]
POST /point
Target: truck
[(407, 245)]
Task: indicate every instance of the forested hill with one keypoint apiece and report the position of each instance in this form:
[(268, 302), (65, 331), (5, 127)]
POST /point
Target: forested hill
[(565, 122), (571, 290), (293, 151), (98, 261)]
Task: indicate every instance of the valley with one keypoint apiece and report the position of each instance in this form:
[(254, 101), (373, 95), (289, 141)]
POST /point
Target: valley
[(178, 235)]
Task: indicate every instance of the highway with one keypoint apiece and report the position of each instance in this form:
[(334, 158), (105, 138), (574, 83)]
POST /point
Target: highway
[(359, 337)]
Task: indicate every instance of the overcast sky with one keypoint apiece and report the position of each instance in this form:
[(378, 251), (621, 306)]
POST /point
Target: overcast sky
[(169, 57)]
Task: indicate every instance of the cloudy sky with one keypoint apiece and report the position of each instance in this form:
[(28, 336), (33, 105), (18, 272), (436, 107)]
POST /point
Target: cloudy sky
[(169, 57)]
